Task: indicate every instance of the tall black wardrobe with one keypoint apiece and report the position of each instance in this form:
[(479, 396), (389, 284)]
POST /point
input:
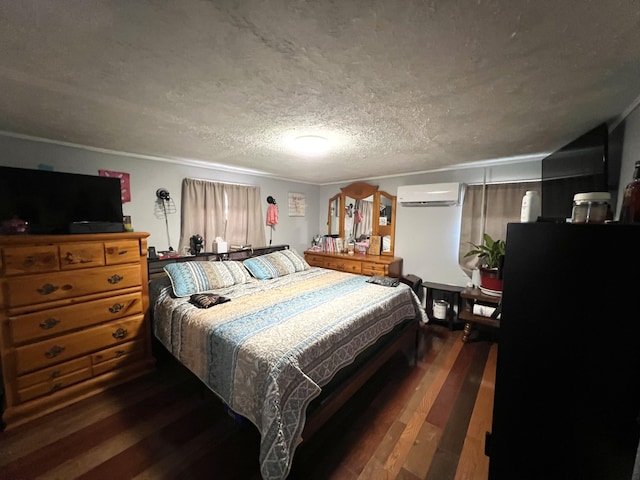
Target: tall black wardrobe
[(567, 393)]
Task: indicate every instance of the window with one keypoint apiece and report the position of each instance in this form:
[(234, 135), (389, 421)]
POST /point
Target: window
[(489, 208), (214, 209)]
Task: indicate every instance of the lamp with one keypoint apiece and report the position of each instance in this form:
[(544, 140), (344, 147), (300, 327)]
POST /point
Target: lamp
[(311, 145), (163, 199)]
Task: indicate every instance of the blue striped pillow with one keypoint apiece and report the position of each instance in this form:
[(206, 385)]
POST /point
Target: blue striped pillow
[(276, 264), (188, 278)]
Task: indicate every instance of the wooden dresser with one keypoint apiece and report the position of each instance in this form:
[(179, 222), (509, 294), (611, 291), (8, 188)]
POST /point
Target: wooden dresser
[(73, 318), (357, 263)]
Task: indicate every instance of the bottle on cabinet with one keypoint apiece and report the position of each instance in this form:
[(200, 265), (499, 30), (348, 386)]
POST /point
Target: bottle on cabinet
[(530, 210), (630, 211)]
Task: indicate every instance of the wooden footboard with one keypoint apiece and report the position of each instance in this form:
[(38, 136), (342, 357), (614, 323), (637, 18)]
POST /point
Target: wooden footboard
[(406, 340)]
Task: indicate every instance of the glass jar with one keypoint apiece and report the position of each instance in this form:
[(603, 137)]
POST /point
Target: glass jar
[(591, 207)]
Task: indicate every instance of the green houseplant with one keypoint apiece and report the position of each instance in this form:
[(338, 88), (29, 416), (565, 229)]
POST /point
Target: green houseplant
[(489, 253)]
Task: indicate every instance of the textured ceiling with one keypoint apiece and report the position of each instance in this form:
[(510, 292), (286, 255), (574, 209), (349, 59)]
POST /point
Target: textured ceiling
[(397, 86)]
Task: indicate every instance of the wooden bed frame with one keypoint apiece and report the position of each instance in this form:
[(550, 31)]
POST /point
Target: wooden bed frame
[(403, 338)]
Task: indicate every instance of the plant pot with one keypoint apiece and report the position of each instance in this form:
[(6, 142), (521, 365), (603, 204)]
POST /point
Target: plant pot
[(490, 279)]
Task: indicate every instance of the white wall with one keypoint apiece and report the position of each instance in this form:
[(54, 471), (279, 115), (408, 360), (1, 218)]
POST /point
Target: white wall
[(148, 175)]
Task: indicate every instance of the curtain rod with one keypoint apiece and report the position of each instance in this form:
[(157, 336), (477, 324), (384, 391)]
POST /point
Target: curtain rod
[(219, 181), (502, 182)]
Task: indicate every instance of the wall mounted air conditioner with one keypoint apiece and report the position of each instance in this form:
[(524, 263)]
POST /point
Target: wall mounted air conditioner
[(432, 194)]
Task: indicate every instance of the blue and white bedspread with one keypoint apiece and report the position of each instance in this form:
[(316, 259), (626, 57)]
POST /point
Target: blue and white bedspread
[(268, 351)]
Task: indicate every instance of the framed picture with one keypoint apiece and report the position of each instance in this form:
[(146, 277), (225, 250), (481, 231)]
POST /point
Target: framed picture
[(374, 245), (297, 204)]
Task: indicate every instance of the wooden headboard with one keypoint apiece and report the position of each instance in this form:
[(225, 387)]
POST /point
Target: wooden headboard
[(155, 267)]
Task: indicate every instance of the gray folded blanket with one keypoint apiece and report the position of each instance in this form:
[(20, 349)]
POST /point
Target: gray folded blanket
[(207, 300), (385, 281)]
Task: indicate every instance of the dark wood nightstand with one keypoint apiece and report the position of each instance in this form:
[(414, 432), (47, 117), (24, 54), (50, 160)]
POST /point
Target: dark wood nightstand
[(474, 296)]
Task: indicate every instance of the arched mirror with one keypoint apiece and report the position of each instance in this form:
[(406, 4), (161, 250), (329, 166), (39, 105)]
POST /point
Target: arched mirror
[(362, 212), (386, 222), (334, 215)]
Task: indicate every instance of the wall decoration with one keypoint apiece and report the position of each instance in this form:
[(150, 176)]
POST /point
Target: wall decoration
[(124, 183), (297, 204)]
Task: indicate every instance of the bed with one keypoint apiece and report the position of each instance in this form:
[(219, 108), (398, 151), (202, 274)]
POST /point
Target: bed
[(290, 335)]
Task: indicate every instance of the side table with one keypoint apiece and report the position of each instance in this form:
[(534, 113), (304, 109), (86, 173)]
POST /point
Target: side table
[(442, 291), (474, 296)]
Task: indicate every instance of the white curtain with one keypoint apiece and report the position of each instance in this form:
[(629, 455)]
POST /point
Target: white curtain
[(365, 207), (213, 209), (488, 209), (245, 223)]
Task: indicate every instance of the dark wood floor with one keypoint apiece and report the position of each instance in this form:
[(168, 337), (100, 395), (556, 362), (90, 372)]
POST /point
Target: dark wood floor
[(421, 422)]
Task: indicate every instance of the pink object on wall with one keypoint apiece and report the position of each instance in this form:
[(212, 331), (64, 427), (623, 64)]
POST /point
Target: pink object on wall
[(272, 214), (125, 183)]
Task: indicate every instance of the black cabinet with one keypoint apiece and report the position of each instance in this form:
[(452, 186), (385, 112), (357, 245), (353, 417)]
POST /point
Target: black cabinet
[(567, 393)]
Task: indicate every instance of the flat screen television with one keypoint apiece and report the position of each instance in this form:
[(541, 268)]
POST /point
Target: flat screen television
[(61, 203), (578, 167)]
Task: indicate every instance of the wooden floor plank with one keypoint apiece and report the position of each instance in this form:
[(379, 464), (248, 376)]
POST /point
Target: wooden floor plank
[(400, 452), (473, 463), (454, 434), (167, 426), (420, 457), (50, 428), (106, 450)]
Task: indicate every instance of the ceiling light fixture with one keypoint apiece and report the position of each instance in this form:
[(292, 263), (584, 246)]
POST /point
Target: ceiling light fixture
[(311, 145)]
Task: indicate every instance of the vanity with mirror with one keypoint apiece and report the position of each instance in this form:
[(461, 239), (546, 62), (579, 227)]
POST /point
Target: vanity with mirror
[(360, 233)]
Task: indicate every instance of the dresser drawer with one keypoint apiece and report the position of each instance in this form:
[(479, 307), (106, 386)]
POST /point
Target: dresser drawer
[(81, 255), (52, 373), (59, 349), (122, 251), (115, 363), (351, 266), (54, 321), (28, 290), (116, 352), (374, 268), (54, 385), (32, 259), (315, 260)]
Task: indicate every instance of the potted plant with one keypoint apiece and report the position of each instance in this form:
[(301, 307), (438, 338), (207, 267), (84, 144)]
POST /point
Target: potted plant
[(490, 253)]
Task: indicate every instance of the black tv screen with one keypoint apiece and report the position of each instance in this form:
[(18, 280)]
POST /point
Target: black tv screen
[(60, 203), (578, 167)]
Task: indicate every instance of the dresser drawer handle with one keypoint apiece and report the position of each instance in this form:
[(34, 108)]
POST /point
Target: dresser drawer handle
[(49, 323), (47, 288), (119, 333), (120, 353), (115, 279), (70, 259), (54, 352), (30, 261), (123, 252), (56, 387), (116, 307), (55, 374)]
